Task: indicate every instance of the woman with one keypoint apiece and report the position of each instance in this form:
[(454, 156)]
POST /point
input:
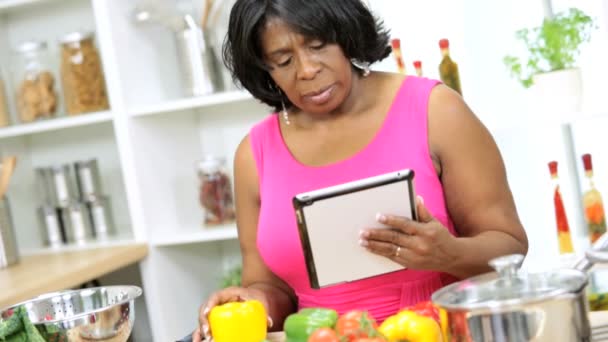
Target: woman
[(335, 122)]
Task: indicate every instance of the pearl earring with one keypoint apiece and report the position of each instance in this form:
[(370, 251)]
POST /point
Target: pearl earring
[(363, 66), (285, 114)]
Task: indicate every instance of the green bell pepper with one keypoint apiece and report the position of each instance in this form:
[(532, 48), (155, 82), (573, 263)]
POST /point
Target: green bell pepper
[(299, 326)]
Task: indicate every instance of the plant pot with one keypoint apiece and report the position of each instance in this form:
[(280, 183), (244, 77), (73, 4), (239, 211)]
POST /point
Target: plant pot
[(558, 92)]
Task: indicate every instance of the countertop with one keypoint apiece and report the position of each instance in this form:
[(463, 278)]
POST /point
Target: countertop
[(38, 274)]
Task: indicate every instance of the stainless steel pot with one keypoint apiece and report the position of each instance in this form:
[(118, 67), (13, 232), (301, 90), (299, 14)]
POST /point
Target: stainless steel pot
[(510, 305)]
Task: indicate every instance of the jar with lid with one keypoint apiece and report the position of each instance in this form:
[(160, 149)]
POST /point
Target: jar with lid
[(34, 82), (82, 74), (4, 116), (215, 192)]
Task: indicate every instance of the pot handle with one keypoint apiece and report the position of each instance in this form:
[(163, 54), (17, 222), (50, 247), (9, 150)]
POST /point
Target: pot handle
[(507, 266), (597, 254)]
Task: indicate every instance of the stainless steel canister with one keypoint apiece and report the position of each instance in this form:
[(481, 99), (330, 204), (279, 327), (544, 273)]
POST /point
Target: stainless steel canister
[(77, 223), (56, 185), (198, 60), (44, 183), (9, 254), (50, 226), (101, 217), (88, 180)]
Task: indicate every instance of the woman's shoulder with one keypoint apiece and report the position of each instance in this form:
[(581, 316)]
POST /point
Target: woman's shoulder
[(404, 85)]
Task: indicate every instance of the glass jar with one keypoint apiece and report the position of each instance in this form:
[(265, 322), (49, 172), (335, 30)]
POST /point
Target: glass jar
[(34, 82), (4, 117), (82, 76), (215, 192)]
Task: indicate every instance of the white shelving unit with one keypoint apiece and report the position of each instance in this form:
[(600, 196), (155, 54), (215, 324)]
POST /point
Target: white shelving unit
[(148, 143), (55, 124), (199, 103), (208, 235), (7, 5)]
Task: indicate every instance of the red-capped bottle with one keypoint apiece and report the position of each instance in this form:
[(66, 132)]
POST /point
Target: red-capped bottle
[(561, 220), (448, 69), (418, 68), (396, 45), (593, 204)]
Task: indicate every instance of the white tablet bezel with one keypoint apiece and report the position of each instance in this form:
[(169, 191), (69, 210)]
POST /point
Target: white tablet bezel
[(342, 207)]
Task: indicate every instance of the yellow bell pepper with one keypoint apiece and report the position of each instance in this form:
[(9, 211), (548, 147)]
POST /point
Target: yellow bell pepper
[(412, 327), (238, 322)]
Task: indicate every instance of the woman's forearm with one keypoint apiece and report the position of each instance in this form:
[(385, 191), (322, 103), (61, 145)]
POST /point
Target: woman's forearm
[(472, 254), (280, 304)]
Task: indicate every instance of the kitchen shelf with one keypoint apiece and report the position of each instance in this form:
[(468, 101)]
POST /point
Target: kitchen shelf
[(228, 232), (191, 103), (115, 241), (540, 121), (7, 5), (55, 124)]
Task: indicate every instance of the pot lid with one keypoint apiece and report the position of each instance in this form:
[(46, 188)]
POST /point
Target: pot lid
[(509, 286)]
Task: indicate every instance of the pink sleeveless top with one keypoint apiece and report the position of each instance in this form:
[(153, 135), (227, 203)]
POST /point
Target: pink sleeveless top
[(402, 142)]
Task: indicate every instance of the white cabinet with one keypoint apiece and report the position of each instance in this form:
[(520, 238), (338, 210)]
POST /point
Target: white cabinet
[(148, 142), (147, 146)]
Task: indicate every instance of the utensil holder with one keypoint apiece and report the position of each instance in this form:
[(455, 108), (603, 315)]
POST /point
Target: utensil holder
[(198, 61), (9, 254)]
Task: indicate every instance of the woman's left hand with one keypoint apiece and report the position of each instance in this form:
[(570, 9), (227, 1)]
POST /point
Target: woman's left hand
[(425, 244)]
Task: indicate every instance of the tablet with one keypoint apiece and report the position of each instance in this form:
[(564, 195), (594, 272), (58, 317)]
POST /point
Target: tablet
[(330, 219)]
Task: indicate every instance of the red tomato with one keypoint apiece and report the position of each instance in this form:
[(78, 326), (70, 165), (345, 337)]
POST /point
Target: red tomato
[(427, 309), (356, 324), (324, 335)]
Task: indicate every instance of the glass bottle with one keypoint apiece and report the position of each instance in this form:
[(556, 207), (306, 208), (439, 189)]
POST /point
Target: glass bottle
[(418, 67), (82, 76), (448, 69), (593, 204), (34, 82), (561, 220), (215, 192), (396, 44)]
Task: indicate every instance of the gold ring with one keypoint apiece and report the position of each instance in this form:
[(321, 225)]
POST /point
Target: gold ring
[(397, 251)]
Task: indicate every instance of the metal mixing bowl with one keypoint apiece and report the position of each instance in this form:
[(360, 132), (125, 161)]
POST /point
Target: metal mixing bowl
[(93, 314)]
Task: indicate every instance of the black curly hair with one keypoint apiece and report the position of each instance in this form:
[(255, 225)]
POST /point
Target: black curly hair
[(348, 23)]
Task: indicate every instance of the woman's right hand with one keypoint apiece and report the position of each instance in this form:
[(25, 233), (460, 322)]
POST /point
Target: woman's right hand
[(227, 295)]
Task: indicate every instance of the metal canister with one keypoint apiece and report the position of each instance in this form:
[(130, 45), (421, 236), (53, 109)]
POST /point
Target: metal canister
[(102, 220), (77, 223), (50, 226), (62, 185), (9, 254), (88, 180)]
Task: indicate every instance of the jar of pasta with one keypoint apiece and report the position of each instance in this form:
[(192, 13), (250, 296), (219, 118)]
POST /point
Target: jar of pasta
[(215, 191), (82, 74), (34, 82)]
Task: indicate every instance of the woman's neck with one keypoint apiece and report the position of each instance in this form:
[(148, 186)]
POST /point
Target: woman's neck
[(358, 101)]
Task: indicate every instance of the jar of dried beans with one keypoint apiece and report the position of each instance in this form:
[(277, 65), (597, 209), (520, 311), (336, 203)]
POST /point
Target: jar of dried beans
[(34, 82), (215, 192), (82, 76)]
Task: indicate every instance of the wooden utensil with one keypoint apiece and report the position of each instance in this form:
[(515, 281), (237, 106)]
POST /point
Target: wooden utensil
[(8, 166), (206, 13)]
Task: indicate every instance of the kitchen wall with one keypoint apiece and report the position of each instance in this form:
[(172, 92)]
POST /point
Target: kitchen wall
[(481, 33)]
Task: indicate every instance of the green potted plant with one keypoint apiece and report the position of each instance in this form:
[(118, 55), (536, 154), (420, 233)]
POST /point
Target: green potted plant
[(232, 277), (553, 49)]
